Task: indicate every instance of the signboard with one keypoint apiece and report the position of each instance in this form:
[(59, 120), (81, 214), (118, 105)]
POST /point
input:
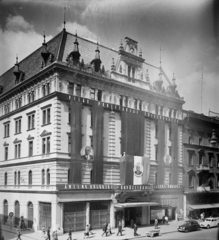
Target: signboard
[(11, 214)]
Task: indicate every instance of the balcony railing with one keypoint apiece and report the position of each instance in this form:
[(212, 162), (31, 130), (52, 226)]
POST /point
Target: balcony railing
[(203, 167), (29, 187)]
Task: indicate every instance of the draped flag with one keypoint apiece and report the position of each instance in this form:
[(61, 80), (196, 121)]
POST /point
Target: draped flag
[(141, 170)]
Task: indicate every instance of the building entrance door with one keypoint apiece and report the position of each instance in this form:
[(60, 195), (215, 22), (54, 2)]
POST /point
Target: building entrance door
[(45, 215), (30, 215), (130, 214)]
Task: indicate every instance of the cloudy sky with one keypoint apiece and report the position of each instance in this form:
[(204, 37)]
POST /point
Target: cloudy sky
[(186, 30)]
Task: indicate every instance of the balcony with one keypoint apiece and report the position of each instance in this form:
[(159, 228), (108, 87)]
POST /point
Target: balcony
[(29, 187), (203, 167), (203, 189)]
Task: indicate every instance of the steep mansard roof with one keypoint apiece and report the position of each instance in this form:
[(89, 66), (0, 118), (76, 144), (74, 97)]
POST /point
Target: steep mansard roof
[(60, 46)]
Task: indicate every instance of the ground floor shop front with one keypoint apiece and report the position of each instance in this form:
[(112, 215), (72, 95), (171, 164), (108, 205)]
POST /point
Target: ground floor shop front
[(74, 208), (197, 203)]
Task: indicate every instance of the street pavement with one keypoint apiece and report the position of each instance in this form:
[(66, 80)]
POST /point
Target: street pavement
[(128, 233)]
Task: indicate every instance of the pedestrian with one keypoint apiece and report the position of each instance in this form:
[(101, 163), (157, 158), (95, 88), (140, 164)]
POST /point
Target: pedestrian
[(18, 235), (48, 234), (43, 232), (69, 235), (56, 236), (53, 235), (86, 233), (90, 229), (163, 220), (156, 223), (119, 228), (135, 229), (109, 228), (166, 220), (105, 229), (132, 223)]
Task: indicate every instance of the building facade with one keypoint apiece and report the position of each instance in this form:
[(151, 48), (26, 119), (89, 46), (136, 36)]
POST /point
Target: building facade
[(201, 164), (86, 136)]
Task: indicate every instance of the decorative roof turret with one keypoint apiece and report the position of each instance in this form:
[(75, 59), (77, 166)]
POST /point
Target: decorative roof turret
[(17, 72), (140, 53), (75, 53), (214, 138), (121, 46), (159, 82), (96, 62), (113, 67), (46, 55)]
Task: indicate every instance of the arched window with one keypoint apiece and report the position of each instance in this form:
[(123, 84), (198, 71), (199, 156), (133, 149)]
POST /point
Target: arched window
[(48, 176), (15, 178), (43, 177), (30, 215), (16, 213), (6, 179), (19, 178), (30, 177), (5, 205)]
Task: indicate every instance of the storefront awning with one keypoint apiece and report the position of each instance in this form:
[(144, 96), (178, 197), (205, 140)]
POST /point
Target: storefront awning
[(204, 206), (135, 204)]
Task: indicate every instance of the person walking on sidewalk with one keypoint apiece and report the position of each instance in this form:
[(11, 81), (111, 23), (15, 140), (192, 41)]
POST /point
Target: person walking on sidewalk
[(119, 228), (105, 229), (18, 235), (69, 235), (135, 229), (156, 223), (86, 233), (166, 220), (43, 232), (90, 229), (109, 229), (48, 234)]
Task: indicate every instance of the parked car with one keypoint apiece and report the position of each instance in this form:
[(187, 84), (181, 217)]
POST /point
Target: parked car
[(190, 225), (209, 222)]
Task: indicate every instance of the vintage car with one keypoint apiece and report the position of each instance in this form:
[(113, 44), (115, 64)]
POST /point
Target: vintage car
[(209, 222), (189, 225)]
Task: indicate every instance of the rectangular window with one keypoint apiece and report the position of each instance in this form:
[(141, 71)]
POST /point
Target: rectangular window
[(99, 95), (48, 88), (31, 121), (170, 151), (44, 90), (78, 90), (46, 116), (170, 113), (200, 158), (129, 71), (30, 148), (6, 129), (17, 150), (69, 143), (19, 178), (18, 126), (6, 153), (70, 88), (46, 145), (170, 132), (190, 157), (191, 181), (69, 116), (92, 93), (133, 72), (200, 140), (156, 153), (210, 155), (156, 129)]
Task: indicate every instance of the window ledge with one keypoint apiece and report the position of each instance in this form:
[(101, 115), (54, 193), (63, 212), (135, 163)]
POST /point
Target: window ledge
[(17, 133), (30, 129), (45, 124)]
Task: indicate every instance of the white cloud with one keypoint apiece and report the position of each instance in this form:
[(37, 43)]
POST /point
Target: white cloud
[(82, 31), (19, 38)]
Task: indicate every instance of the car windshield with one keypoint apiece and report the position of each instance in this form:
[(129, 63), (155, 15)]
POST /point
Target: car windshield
[(187, 222)]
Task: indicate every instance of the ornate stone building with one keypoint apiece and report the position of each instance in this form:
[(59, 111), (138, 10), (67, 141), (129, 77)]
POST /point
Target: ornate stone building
[(87, 136), (201, 163)]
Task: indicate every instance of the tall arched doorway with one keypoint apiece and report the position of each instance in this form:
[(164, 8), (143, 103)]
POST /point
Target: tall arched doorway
[(16, 213), (5, 204), (30, 215)]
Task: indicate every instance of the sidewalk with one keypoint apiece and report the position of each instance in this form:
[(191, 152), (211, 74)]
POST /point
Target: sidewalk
[(127, 232)]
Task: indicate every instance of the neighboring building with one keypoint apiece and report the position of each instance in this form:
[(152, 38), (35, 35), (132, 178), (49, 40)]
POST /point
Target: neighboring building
[(68, 112), (201, 163)]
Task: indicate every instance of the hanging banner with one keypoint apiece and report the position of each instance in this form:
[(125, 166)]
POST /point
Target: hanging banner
[(141, 170)]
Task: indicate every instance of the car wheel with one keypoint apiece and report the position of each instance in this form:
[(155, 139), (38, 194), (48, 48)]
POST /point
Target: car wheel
[(186, 230), (208, 226)]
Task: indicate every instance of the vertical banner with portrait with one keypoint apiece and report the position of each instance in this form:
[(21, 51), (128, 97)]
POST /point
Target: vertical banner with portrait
[(141, 170)]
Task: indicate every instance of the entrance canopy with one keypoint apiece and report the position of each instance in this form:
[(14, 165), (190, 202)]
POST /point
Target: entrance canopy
[(135, 204), (204, 206)]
